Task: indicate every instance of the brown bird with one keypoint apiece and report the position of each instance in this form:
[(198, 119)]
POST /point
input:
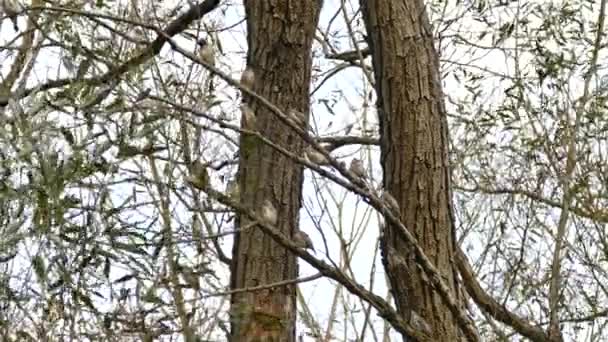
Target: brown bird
[(248, 78), (298, 117), (356, 167), (302, 240), (206, 53), (198, 177), (232, 189), (315, 156), (390, 202), (420, 323), (269, 213)]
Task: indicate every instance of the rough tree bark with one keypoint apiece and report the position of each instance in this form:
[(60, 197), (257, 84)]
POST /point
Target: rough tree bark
[(413, 139), (280, 35)]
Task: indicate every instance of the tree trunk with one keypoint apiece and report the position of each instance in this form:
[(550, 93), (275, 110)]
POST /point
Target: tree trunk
[(280, 35), (414, 143)]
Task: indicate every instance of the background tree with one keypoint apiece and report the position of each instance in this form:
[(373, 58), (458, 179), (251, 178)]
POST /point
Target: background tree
[(413, 145)]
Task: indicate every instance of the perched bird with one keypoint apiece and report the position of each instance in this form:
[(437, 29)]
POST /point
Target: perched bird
[(315, 156), (390, 202), (298, 117), (192, 278), (198, 177), (420, 323), (302, 240), (356, 167), (269, 213), (248, 78), (248, 118), (12, 9), (232, 189), (205, 52), (396, 261), (67, 62)]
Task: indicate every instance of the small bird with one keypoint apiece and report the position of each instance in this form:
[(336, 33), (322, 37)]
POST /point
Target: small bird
[(205, 52), (315, 156), (390, 202), (248, 119), (298, 117), (12, 9), (192, 278), (302, 240), (248, 78), (419, 323), (232, 189), (269, 213), (198, 177), (356, 167)]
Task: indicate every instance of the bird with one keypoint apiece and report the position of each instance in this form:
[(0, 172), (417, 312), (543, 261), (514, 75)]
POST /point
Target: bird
[(248, 118), (232, 189), (302, 240), (315, 156), (298, 117), (198, 177), (269, 212), (248, 78), (192, 278), (356, 167), (12, 9), (390, 202), (205, 52), (419, 323)]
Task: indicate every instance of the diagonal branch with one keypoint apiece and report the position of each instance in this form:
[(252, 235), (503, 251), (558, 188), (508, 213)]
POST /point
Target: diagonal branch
[(491, 306)]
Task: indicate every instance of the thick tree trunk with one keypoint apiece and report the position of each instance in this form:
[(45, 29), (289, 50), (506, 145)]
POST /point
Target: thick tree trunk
[(414, 157), (280, 35)]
